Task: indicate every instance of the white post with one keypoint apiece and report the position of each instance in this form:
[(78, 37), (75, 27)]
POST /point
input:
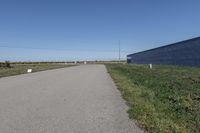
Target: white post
[(150, 66)]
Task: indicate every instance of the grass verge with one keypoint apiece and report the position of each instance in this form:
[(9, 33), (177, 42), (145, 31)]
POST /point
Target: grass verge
[(22, 68), (165, 99)]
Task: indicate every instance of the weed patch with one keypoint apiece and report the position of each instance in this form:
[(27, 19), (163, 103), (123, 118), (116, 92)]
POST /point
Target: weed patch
[(164, 99)]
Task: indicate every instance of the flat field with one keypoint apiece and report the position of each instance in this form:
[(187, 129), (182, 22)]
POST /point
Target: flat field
[(22, 68), (165, 99)]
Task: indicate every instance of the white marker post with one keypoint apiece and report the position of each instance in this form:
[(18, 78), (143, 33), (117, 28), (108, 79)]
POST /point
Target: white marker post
[(150, 66)]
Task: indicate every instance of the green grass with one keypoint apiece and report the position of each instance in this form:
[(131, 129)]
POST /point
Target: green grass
[(165, 99), (22, 68)]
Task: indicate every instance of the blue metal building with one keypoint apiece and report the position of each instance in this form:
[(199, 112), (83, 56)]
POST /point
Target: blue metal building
[(184, 53)]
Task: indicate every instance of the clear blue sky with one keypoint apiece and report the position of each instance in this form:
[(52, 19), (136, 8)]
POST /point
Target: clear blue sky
[(32, 30)]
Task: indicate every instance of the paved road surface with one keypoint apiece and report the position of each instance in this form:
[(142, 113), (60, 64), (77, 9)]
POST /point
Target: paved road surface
[(81, 99)]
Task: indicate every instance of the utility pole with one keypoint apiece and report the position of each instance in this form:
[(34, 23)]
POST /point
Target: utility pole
[(119, 51)]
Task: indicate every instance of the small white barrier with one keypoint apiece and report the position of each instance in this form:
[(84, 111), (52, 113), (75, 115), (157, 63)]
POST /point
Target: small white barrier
[(29, 70)]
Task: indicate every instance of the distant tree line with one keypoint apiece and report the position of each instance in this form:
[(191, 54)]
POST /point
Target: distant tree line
[(5, 64), (8, 64), (38, 62)]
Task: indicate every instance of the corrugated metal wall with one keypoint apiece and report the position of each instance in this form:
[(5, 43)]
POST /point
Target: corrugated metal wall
[(186, 53)]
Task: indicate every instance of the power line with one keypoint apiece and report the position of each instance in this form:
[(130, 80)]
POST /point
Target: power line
[(56, 49)]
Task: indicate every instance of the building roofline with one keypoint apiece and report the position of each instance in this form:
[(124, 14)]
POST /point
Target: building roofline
[(169, 45)]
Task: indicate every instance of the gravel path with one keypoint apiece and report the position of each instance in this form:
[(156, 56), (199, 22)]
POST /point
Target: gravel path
[(80, 99)]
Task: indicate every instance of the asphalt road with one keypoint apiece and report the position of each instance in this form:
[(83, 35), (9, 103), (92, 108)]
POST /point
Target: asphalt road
[(81, 99)]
